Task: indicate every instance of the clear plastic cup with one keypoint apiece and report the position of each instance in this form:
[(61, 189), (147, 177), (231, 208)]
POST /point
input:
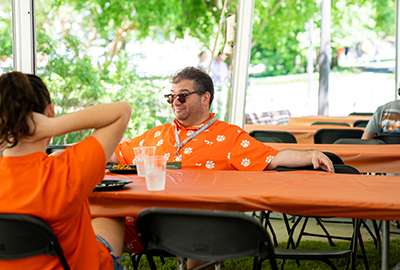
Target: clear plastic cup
[(155, 172), (140, 152)]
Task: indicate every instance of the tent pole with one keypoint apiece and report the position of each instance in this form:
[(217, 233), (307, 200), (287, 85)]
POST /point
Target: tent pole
[(241, 60)]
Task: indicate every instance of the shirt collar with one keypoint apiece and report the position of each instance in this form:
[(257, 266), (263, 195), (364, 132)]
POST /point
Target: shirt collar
[(176, 122)]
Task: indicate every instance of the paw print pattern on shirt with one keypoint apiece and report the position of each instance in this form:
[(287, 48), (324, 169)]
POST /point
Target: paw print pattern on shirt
[(178, 158), (245, 143), (220, 138), (245, 162), (160, 142), (198, 164), (158, 133), (208, 142), (229, 155), (188, 150), (210, 164), (167, 155), (269, 159), (238, 131), (190, 132), (141, 142), (130, 218), (134, 161)]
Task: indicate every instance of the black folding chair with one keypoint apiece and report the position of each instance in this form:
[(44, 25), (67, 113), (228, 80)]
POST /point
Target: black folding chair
[(52, 148), (211, 236), (339, 168), (389, 138), (330, 123), (214, 236), (330, 135), (358, 141), (23, 236), (284, 136), (360, 123), (268, 139), (362, 113)]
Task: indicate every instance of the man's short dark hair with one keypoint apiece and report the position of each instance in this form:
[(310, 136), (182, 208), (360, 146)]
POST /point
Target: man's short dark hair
[(202, 82)]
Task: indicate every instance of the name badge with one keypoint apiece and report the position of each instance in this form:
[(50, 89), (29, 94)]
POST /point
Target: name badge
[(174, 165)]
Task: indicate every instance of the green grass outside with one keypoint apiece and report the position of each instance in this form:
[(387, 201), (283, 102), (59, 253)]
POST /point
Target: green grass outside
[(374, 259)]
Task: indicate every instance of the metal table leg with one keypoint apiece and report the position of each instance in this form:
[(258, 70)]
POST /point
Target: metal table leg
[(385, 244)]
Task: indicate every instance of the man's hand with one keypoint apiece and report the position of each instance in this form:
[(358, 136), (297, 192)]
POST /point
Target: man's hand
[(320, 160)]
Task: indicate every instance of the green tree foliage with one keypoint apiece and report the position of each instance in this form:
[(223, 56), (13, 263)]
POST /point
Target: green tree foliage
[(5, 35), (276, 26), (278, 29), (70, 31)]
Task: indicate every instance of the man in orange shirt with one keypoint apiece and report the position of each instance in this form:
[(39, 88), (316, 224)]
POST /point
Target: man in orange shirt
[(198, 140), (56, 188)]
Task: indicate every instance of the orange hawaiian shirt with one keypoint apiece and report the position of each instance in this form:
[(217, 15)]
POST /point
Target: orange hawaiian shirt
[(219, 147)]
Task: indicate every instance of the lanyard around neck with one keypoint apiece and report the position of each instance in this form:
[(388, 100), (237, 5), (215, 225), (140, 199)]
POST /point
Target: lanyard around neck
[(180, 144)]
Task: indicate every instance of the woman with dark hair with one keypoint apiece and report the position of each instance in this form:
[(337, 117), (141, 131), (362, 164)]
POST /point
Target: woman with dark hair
[(56, 188)]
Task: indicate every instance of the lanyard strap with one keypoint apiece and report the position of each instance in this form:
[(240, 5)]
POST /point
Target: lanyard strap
[(180, 144)]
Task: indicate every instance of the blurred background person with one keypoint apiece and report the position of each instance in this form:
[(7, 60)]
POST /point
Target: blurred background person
[(219, 73), (203, 63), (386, 119)]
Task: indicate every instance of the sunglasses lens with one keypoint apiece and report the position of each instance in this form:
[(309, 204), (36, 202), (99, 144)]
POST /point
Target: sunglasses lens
[(181, 98), (169, 98)]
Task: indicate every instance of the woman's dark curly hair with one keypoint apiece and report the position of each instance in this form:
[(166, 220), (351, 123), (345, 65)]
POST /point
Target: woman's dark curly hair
[(20, 95)]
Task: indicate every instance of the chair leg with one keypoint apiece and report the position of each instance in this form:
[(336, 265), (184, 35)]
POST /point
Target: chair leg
[(302, 230), (264, 217), (354, 244), (135, 259), (378, 237), (325, 231), (180, 262), (330, 263), (374, 237), (364, 254)]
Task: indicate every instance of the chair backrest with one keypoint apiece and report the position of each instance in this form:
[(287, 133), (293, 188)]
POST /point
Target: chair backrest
[(203, 235), (342, 168), (389, 138), (330, 135), (358, 141), (284, 136), (23, 236), (339, 168), (334, 158), (330, 123), (360, 123), (362, 113), (268, 139), (52, 148)]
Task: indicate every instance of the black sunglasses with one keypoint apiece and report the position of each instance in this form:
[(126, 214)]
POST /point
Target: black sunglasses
[(181, 97)]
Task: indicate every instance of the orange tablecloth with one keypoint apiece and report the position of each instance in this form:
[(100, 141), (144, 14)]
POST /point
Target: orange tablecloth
[(303, 193), (366, 158), (308, 120), (303, 134)]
